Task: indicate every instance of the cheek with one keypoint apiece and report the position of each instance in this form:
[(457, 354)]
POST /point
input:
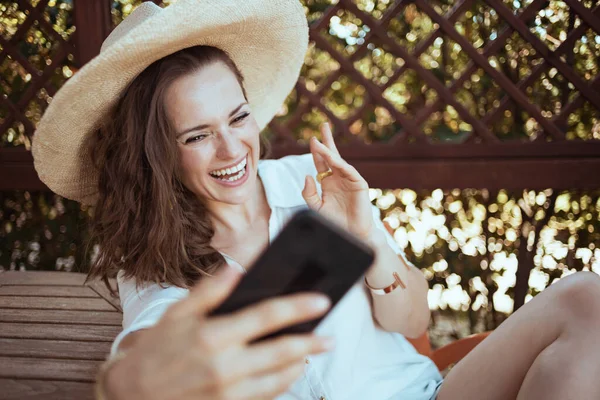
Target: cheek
[(252, 133), (191, 164)]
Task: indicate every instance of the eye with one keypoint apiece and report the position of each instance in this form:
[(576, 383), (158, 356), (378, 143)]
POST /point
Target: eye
[(241, 118), (195, 138)]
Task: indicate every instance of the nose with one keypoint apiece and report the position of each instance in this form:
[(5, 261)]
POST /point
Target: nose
[(230, 147)]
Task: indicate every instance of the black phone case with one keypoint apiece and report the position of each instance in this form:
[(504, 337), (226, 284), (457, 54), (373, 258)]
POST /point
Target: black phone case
[(310, 254)]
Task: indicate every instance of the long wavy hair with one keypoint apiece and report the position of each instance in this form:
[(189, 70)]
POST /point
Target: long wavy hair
[(146, 222)]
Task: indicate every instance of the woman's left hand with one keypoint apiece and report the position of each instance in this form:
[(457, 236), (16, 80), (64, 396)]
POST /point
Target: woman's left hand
[(345, 193)]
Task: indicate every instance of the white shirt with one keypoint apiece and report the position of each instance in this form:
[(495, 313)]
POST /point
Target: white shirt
[(367, 362)]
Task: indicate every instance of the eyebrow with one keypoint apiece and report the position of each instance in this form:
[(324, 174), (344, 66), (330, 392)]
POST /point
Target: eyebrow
[(200, 127)]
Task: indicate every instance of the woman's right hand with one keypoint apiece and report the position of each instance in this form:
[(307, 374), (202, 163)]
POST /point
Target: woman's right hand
[(188, 355)]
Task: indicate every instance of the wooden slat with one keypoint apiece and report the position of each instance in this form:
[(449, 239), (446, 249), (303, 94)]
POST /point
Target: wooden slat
[(511, 166), (55, 303), (54, 349), (394, 150), (28, 389), (38, 368), (490, 174), (62, 316), (41, 278), (100, 288), (98, 333), (52, 291)]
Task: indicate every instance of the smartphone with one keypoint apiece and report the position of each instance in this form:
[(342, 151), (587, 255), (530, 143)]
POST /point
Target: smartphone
[(309, 254)]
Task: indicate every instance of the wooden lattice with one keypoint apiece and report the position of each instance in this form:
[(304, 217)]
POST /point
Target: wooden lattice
[(576, 90), (406, 87), (39, 59)]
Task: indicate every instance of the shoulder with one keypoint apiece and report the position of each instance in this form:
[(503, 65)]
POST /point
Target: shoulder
[(135, 297), (284, 179), (297, 166)]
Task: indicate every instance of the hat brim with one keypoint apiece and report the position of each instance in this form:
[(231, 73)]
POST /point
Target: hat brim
[(267, 40)]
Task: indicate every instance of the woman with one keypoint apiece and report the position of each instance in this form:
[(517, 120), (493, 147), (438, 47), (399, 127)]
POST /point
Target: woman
[(171, 113)]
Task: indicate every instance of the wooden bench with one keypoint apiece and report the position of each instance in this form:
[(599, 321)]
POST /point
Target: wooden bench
[(55, 331)]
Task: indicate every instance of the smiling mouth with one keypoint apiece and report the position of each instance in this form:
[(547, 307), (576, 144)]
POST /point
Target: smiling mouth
[(231, 174)]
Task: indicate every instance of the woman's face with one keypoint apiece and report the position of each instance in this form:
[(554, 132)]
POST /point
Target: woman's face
[(217, 135)]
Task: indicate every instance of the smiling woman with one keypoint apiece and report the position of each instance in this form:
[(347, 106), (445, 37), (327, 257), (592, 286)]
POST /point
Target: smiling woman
[(212, 151), (158, 117), (181, 194)]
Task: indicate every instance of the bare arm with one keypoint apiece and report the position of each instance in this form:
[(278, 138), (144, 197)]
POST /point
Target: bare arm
[(191, 355), (130, 340), (345, 200), (404, 310)]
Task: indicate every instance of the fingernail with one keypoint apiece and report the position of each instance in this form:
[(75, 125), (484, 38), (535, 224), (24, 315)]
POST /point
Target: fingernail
[(322, 303)]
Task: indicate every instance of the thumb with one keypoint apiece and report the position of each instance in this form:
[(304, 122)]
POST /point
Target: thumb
[(207, 294), (310, 194)]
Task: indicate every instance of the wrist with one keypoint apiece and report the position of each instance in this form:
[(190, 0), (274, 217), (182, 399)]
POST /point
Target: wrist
[(376, 240), (109, 380), (386, 263)]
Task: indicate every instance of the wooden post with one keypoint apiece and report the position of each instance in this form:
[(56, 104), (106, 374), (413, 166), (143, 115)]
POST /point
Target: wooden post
[(93, 23)]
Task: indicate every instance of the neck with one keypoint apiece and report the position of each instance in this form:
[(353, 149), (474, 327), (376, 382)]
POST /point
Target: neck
[(228, 218)]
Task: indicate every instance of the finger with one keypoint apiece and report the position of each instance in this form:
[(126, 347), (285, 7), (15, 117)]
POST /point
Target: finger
[(320, 163), (275, 354), (327, 136), (337, 164), (268, 316), (206, 295), (310, 194), (266, 386)]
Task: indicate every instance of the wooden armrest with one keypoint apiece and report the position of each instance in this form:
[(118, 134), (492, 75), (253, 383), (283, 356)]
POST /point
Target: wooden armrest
[(456, 351)]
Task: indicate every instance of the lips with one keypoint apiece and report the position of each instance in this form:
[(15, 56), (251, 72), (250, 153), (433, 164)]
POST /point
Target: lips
[(233, 180), (231, 170)]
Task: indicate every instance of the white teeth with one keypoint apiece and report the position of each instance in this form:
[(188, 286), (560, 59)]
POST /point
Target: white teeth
[(236, 176), (228, 171)]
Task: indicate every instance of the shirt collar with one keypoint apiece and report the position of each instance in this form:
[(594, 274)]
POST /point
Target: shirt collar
[(280, 188)]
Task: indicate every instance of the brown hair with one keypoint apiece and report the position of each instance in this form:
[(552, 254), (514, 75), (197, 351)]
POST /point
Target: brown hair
[(146, 222)]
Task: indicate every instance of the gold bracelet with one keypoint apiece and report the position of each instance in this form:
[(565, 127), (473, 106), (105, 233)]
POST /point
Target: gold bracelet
[(387, 289), (101, 376)]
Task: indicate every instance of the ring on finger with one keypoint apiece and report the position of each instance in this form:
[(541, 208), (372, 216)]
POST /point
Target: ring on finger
[(323, 175)]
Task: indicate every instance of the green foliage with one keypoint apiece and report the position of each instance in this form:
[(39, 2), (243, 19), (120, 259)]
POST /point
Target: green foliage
[(468, 243), (42, 231)]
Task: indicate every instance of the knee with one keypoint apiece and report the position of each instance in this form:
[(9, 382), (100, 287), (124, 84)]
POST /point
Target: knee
[(578, 296)]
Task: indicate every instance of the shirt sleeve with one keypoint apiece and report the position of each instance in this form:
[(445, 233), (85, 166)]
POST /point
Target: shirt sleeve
[(143, 307)]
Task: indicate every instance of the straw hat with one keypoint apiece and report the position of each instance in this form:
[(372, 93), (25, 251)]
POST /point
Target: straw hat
[(267, 40)]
